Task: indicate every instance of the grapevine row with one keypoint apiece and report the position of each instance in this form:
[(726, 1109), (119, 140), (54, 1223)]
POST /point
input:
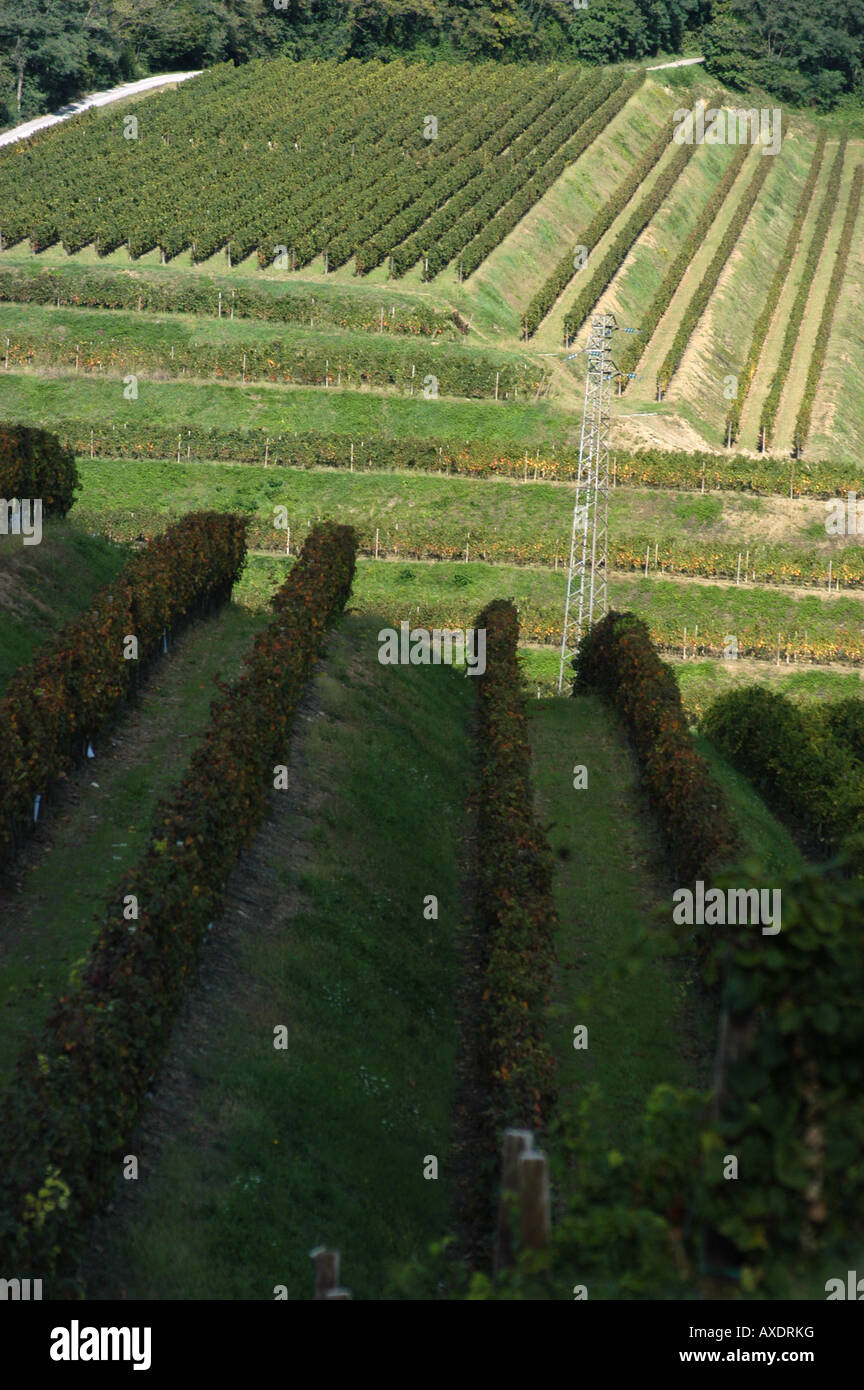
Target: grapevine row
[(196, 294), (640, 468), (559, 279), (296, 358), (616, 659), (628, 356), (796, 317), (456, 184), (209, 168), (763, 323), (617, 253), (823, 332), (76, 683), (525, 195), (77, 1094), (701, 295), (529, 172)]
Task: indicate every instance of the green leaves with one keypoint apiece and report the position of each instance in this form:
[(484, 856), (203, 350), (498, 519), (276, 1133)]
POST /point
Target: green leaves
[(114, 1027)]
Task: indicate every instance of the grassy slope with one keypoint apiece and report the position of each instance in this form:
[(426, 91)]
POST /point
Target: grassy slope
[(451, 593), (326, 1143), (43, 586), (722, 338), (636, 283), (838, 415), (647, 1022), (762, 836), (64, 329), (271, 281), (279, 409), (104, 824), (613, 976), (124, 497), (550, 334), (790, 401), (769, 360), (512, 274)]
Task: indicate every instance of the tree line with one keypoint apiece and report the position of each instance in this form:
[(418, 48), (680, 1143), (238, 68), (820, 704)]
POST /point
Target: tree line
[(50, 53)]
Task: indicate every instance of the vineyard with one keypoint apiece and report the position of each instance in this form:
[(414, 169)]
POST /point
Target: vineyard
[(293, 354)]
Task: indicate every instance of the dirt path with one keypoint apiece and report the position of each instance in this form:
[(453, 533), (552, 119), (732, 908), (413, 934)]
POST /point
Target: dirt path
[(679, 63)]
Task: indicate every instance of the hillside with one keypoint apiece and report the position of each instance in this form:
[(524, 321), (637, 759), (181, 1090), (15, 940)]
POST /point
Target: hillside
[(483, 218), (314, 916)]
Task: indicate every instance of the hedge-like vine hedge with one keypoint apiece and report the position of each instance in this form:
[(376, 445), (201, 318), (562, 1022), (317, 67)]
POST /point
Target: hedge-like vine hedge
[(34, 464), (516, 911), (78, 679), (617, 659), (77, 1095)]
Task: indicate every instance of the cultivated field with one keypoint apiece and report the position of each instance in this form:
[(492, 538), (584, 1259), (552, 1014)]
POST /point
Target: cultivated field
[(313, 333)]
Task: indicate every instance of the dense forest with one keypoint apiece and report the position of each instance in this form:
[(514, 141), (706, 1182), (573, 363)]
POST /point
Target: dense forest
[(52, 51)]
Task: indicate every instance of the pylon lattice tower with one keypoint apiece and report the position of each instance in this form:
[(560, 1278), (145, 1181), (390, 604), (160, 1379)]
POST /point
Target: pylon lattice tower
[(586, 575)]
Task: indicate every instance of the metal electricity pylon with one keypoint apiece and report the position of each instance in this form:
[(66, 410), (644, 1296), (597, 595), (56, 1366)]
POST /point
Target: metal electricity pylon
[(586, 576)]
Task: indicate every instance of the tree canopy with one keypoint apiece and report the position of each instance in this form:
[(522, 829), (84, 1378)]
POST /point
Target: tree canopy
[(800, 52), (50, 52)]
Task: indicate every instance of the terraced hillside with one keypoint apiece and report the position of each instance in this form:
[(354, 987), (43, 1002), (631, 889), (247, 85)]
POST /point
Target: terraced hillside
[(490, 207), (298, 934)]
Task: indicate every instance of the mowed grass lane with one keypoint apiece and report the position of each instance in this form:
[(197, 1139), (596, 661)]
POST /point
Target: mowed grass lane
[(252, 1155), (622, 973), (101, 825)]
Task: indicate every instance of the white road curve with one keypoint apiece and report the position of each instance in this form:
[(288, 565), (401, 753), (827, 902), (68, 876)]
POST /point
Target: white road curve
[(129, 89), (679, 63)]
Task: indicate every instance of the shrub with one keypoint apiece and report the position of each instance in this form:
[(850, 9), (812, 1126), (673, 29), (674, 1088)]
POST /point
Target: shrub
[(792, 756)]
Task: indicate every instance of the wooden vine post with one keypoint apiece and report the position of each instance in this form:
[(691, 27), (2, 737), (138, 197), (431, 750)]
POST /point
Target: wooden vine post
[(524, 1183), (327, 1284)]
